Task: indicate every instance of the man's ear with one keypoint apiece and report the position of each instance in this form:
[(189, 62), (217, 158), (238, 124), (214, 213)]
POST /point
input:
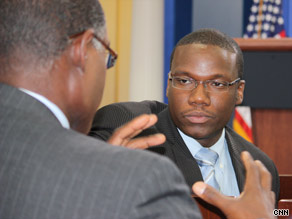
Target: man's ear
[(79, 48), (239, 92)]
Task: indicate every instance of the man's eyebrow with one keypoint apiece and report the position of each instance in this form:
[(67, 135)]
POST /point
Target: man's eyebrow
[(218, 75), (181, 73), (187, 74)]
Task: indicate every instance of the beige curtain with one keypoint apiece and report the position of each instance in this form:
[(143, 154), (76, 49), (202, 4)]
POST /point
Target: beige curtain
[(118, 15)]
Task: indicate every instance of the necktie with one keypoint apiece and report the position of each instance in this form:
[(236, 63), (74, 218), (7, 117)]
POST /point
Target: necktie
[(206, 158)]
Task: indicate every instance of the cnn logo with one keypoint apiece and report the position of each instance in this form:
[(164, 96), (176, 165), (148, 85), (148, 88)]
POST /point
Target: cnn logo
[(281, 212)]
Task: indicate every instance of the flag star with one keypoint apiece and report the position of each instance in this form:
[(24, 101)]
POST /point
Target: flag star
[(278, 2), (249, 28), (264, 35), (254, 9), (256, 1), (255, 35), (252, 18), (266, 26), (268, 17), (272, 28), (280, 20), (276, 10), (270, 8)]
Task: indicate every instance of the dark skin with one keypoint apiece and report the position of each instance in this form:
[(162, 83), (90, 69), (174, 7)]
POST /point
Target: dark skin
[(199, 113), (74, 81)]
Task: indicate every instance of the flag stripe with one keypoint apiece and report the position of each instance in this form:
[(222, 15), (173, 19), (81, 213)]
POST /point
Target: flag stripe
[(241, 127), (239, 130)]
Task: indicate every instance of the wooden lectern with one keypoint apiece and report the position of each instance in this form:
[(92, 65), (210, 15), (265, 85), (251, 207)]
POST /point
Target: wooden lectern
[(268, 75)]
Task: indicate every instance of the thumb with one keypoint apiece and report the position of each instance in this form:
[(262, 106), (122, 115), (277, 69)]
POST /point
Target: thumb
[(211, 195)]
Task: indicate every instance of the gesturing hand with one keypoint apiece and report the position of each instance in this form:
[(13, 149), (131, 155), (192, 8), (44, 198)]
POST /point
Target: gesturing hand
[(256, 201), (124, 135)]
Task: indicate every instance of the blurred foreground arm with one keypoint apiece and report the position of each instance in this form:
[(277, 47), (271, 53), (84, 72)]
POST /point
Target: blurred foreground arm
[(256, 201), (124, 136)]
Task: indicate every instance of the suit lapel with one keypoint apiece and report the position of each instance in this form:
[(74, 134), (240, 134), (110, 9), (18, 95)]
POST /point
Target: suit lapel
[(177, 150), (235, 150)]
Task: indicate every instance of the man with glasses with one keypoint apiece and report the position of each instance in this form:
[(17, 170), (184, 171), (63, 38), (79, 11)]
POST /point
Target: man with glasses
[(204, 85), (52, 58)]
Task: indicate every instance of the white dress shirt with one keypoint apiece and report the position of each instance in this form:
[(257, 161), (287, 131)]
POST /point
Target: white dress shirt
[(51, 106)]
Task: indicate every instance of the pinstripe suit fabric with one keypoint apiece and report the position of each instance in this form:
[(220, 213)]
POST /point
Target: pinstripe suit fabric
[(112, 116), (47, 171)]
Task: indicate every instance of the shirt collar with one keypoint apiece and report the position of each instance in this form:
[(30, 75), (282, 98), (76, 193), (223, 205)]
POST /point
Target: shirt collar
[(194, 146), (52, 107)]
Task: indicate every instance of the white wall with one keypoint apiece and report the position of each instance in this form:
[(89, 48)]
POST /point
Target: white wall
[(146, 74)]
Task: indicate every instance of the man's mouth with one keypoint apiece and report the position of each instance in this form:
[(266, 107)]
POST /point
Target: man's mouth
[(197, 117)]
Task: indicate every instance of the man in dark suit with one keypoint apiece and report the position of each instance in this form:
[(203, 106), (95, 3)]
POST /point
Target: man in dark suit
[(205, 83), (52, 58)]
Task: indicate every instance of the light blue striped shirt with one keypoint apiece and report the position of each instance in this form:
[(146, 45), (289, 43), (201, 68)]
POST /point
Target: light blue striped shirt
[(224, 171), (52, 107)]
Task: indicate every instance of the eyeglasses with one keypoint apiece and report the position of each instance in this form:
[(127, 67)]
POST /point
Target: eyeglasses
[(213, 86), (112, 55)]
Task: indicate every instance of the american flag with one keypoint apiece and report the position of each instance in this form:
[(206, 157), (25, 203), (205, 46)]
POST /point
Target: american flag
[(265, 20)]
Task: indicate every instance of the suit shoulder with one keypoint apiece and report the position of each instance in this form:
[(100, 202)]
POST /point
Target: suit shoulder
[(129, 110), (114, 115), (90, 147)]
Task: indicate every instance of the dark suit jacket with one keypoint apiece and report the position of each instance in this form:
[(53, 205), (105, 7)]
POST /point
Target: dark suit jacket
[(47, 171), (112, 116)]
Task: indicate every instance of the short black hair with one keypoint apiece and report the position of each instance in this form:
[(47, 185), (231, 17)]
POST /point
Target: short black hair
[(43, 27), (208, 36)]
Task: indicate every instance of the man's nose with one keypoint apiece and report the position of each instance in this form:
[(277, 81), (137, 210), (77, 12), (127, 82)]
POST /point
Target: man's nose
[(199, 95)]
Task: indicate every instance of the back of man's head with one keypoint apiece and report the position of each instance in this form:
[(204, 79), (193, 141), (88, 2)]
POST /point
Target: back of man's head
[(213, 37), (46, 47), (41, 29)]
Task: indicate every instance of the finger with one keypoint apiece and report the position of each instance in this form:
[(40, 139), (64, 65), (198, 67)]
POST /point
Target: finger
[(123, 134), (265, 175), (137, 125), (145, 142), (252, 171), (211, 195)]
